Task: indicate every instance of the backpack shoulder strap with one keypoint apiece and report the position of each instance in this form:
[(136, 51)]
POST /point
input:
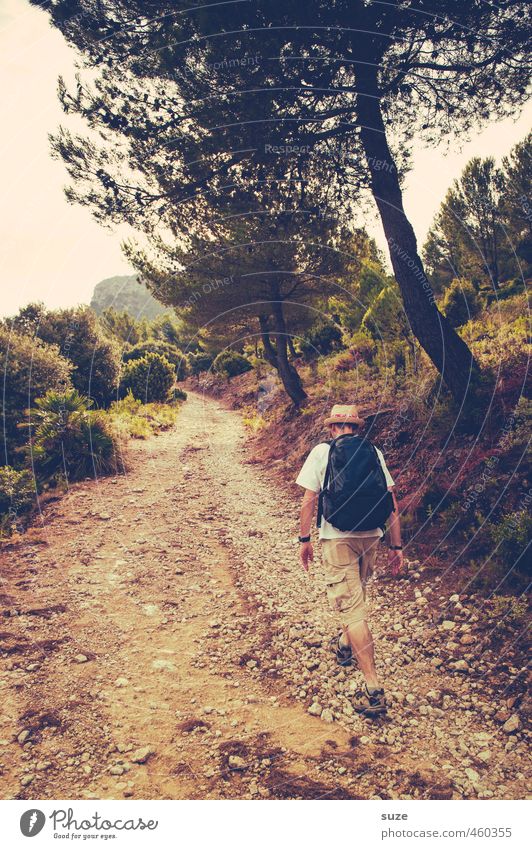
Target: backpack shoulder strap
[(378, 462), (331, 443)]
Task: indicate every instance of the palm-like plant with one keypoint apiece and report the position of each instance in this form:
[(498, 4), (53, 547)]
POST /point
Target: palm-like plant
[(68, 439)]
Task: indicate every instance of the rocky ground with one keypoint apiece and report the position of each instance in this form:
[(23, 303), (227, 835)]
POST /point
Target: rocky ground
[(160, 640)]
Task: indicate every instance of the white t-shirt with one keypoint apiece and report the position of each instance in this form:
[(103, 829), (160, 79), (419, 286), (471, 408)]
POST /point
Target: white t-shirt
[(312, 476)]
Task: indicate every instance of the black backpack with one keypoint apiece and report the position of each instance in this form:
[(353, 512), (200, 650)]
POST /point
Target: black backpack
[(355, 494)]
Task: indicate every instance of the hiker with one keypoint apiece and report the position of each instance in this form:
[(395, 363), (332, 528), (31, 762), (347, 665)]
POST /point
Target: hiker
[(348, 481)]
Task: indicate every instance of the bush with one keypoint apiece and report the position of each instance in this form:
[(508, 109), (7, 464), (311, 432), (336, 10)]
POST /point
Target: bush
[(164, 349), (508, 611), (199, 362), (149, 379), (29, 368), (512, 536), (230, 363), (460, 302), (70, 441), (131, 418), (361, 349), (17, 494), (322, 339), (120, 325), (80, 339)]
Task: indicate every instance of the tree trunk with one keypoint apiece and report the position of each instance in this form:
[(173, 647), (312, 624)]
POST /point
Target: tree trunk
[(278, 356), (446, 349)]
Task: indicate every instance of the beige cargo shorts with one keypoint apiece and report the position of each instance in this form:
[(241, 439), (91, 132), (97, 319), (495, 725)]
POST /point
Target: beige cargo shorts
[(348, 564)]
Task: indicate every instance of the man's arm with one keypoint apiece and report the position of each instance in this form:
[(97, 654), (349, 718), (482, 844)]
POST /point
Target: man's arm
[(308, 507), (395, 557)]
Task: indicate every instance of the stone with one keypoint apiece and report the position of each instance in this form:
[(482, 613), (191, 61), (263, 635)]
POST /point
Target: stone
[(80, 658), (460, 666), (448, 625), (511, 725), (484, 756), (23, 736), (454, 597), (315, 709), (117, 769), (313, 641), (327, 715), (236, 762), (140, 756), (161, 665), (121, 682), (472, 774), (27, 779)]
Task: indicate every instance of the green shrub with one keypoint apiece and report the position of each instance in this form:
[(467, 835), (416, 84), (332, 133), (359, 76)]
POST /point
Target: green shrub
[(460, 302), (150, 378), (199, 362), (29, 368), (508, 610), (131, 418), (17, 495), (360, 349), (322, 339), (80, 340), (231, 363), (512, 536), (116, 324), (69, 441), (164, 349)]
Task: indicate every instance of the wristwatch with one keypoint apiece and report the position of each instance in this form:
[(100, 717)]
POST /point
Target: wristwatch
[(304, 539), (396, 548)]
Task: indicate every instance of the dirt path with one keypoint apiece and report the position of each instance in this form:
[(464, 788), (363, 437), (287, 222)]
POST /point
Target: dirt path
[(159, 640)]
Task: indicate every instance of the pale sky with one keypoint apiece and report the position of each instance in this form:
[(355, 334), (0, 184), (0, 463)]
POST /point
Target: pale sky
[(55, 252)]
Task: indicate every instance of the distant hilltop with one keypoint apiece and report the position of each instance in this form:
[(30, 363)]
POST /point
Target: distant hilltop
[(125, 294)]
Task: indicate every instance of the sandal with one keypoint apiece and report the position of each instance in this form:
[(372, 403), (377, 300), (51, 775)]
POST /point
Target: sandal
[(343, 654), (370, 704)]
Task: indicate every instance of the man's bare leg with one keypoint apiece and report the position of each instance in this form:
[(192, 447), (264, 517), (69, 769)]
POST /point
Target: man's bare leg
[(361, 642)]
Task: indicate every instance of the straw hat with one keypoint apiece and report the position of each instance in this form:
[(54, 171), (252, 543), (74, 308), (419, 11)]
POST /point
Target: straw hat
[(344, 414)]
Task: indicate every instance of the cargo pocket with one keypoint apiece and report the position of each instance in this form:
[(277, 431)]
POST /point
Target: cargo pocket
[(338, 591)]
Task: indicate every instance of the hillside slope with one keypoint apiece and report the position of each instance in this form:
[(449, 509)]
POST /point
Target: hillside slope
[(124, 294)]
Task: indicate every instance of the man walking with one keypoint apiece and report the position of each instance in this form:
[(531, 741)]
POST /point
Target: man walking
[(349, 482)]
